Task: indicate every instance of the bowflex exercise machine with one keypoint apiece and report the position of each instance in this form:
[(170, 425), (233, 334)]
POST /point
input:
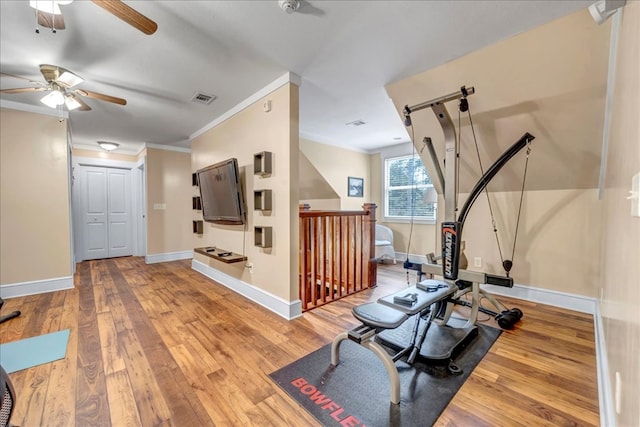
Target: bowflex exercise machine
[(433, 337)]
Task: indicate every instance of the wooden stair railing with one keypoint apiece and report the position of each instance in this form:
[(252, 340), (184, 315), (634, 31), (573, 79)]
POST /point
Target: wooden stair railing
[(337, 254)]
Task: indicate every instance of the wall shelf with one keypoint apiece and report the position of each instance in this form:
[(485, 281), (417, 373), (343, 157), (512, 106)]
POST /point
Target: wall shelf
[(217, 254), (262, 163), (263, 236), (198, 227), (197, 204), (262, 200)]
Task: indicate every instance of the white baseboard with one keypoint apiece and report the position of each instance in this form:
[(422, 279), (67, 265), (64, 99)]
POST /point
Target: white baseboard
[(547, 296), (169, 256), (605, 393), (286, 309), (36, 287), (402, 256)]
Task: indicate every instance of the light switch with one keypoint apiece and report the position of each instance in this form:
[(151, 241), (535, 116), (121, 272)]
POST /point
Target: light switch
[(634, 195)]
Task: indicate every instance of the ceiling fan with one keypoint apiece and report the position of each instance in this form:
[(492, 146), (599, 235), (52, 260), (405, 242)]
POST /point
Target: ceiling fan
[(59, 83), (49, 14)]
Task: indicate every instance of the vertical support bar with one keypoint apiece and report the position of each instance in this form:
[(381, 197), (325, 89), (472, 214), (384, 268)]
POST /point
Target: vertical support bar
[(450, 158), (322, 237)]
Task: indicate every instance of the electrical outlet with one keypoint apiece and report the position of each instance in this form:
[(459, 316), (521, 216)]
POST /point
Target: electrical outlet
[(249, 265), (477, 261), (159, 206)]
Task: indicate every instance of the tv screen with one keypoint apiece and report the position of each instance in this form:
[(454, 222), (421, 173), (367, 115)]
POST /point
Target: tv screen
[(221, 194)]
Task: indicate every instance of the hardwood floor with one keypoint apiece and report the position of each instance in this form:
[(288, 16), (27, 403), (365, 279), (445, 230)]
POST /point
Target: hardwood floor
[(161, 344)]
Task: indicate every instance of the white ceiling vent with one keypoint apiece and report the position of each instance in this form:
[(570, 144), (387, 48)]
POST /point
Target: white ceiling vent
[(203, 98), (356, 123)]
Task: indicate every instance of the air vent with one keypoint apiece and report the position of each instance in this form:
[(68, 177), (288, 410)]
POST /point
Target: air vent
[(203, 98), (356, 123)]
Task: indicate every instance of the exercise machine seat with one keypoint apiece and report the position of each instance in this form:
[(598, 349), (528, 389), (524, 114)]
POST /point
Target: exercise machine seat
[(379, 316)]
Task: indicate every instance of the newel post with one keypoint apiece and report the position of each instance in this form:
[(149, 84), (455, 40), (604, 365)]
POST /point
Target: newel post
[(369, 241)]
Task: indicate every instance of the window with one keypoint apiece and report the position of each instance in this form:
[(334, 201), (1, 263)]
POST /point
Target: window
[(406, 184)]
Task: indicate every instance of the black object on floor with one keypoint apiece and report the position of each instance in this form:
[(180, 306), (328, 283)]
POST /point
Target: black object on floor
[(356, 392), (8, 316)]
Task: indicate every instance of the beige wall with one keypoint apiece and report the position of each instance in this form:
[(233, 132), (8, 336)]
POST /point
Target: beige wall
[(35, 240), (322, 204), (168, 176), (557, 242), (95, 154), (248, 132), (335, 164), (620, 255)]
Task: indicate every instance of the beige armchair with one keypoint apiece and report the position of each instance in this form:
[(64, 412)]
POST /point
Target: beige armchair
[(384, 243)]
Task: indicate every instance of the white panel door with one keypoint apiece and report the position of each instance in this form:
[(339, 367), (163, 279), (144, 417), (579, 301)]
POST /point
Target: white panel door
[(94, 212), (119, 208), (106, 212)]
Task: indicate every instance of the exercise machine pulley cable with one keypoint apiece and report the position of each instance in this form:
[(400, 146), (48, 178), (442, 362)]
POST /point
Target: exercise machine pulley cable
[(507, 264)]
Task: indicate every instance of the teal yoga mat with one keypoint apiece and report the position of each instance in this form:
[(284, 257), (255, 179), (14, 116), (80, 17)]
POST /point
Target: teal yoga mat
[(29, 352)]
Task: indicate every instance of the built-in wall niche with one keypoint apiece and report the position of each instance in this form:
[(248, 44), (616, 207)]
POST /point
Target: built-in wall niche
[(262, 163), (262, 200), (194, 179), (197, 203), (198, 227), (262, 236)]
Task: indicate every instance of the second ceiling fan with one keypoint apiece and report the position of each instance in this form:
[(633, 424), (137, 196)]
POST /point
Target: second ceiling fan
[(49, 14), (60, 83)]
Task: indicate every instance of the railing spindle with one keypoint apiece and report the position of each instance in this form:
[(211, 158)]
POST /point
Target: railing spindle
[(336, 254)]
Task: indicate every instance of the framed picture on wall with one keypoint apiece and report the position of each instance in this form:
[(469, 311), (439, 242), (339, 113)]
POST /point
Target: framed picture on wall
[(355, 187)]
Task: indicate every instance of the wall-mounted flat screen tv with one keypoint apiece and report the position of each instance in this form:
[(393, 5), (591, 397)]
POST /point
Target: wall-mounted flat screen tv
[(221, 193)]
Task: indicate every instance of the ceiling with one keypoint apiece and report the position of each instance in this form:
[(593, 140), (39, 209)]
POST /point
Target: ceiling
[(344, 51)]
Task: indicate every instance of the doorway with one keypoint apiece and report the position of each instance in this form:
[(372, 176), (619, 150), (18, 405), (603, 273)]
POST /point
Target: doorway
[(107, 208)]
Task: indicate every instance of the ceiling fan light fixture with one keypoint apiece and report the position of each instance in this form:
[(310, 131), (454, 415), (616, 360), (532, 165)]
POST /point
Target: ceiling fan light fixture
[(108, 146), (48, 6), (71, 102), (53, 99)]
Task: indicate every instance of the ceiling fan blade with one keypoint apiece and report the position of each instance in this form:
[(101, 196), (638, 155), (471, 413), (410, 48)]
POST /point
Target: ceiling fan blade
[(22, 78), (23, 90), (101, 96), (49, 20), (83, 105), (128, 15)]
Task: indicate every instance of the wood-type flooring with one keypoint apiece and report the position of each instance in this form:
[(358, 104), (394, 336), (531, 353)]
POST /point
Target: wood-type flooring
[(161, 344)]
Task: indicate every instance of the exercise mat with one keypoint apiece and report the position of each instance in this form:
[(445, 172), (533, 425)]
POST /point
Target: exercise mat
[(357, 391), (29, 352)]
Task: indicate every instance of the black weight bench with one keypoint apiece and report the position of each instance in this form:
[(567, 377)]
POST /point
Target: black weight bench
[(424, 302)]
